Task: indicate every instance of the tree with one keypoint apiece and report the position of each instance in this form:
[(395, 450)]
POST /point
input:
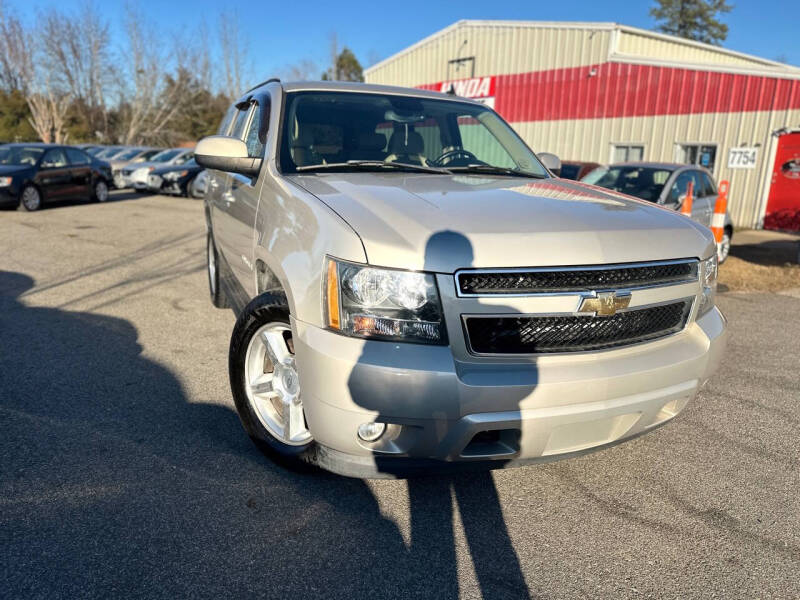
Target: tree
[(692, 19), (76, 49), (344, 64), (21, 70)]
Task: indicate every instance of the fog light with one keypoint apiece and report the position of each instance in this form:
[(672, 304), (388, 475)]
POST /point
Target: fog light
[(371, 432)]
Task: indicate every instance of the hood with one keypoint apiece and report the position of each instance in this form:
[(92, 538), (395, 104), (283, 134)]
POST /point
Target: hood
[(6, 170), (444, 223)]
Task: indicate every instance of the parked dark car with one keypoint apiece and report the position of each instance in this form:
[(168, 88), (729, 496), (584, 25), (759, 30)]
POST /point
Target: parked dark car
[(31, 174), (175, 179), (575, 169)]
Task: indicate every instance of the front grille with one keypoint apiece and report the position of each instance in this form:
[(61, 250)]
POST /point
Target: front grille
[(535, 335), (575, 279)]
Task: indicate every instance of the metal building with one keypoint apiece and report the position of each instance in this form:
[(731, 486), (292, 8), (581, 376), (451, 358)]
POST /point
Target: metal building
[(605, 92)]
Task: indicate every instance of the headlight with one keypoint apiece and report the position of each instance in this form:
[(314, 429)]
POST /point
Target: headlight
[(708, 279), (173, 175), (5, 181), (387, 304)]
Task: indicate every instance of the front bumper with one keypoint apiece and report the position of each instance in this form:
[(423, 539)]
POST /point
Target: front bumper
[(9, 197), (444, 412)]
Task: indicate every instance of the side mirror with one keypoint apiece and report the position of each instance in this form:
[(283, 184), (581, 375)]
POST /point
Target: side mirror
[(552, 162), (225, 153)]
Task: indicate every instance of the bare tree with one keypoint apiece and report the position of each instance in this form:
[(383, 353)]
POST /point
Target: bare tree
[(303, 70), (21, 70), (158, 85), (236, 69), (16, 53), (76, 51)]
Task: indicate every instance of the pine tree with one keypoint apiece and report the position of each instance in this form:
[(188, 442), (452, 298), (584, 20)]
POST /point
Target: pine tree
[(692, 19)]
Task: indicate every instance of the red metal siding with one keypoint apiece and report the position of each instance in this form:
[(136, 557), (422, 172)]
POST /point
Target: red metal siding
[(629, 90)]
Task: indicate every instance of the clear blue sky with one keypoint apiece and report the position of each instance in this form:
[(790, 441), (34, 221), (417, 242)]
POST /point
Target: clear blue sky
[(285, 32)]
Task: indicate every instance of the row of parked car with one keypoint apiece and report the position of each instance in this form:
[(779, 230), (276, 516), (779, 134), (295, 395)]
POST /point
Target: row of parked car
[(32, 174), (156, 170)]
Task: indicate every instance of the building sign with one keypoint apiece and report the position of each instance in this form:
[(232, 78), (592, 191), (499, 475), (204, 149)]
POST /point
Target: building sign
[(481, 89), (742, 158)]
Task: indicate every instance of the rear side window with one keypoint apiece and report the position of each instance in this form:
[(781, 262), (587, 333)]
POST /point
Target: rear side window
[(76, 157), (54, 158)]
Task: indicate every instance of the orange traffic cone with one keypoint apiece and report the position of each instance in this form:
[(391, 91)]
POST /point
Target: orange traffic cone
[(720, 208), (686, 207)]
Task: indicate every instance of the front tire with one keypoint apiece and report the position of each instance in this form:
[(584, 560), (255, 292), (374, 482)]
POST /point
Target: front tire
[(218, 297), (31, 198), (265, 383), (100, 191)]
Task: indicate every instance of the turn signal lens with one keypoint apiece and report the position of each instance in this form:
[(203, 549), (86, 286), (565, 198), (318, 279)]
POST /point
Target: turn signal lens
[(332, 283)]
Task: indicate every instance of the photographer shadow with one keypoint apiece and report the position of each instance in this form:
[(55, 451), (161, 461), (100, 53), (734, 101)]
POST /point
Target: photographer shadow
[(469, 489), (115, 483)]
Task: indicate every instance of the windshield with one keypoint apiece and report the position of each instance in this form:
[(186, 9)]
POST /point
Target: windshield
[(20, 155), (129, 154), (332, 128), (642, 182), (165, 155)]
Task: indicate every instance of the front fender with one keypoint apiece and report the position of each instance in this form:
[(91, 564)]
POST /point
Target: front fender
[(294, 233)]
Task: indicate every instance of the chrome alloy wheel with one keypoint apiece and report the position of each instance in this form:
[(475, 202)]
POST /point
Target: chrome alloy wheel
[(273, 386), (31, 199), (101, 191)]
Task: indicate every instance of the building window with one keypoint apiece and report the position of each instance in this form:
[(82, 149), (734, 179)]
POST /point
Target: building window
[(704, 155), (626, 153)]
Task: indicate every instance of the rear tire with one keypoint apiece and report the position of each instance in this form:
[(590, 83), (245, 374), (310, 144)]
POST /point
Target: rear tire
[(218, 297), (100, 191), (267, 396)]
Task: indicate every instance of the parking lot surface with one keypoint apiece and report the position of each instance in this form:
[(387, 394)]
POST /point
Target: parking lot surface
[(124, 471)]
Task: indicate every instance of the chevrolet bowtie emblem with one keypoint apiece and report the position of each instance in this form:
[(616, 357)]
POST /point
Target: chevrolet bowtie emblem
[(605, 304)]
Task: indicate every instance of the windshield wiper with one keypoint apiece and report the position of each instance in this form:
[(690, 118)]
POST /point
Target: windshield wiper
[(372, 164), (492, 169)]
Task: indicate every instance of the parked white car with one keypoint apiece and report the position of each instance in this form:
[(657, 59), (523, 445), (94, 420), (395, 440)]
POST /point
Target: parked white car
[(135, 176)]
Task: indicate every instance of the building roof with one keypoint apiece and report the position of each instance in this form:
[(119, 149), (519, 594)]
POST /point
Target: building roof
[(630, 44)]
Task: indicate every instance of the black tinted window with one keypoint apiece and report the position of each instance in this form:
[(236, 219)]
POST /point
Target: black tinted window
[(76, 157)]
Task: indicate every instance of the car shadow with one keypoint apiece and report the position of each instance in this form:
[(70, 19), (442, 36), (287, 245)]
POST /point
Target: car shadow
[(432, 497), (115, 484)]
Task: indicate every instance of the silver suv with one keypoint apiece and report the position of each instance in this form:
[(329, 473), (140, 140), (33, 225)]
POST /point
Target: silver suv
[(415, 289)]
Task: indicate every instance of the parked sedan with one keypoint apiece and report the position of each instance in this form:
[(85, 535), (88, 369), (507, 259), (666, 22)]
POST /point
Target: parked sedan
[(136, 175), (31, 174), (666, 184), (128, 157), (175, 179)]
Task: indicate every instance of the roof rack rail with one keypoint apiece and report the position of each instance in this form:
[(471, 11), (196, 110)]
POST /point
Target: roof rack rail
[(258, 85)]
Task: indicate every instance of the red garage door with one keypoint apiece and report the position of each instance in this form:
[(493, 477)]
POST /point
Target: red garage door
[(783, 203)]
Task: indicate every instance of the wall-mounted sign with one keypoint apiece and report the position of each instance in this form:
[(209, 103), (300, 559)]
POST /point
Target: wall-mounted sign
[(742, 158), (481, 89)]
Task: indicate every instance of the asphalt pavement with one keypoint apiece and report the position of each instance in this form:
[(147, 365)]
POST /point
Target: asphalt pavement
[(124, 471)]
